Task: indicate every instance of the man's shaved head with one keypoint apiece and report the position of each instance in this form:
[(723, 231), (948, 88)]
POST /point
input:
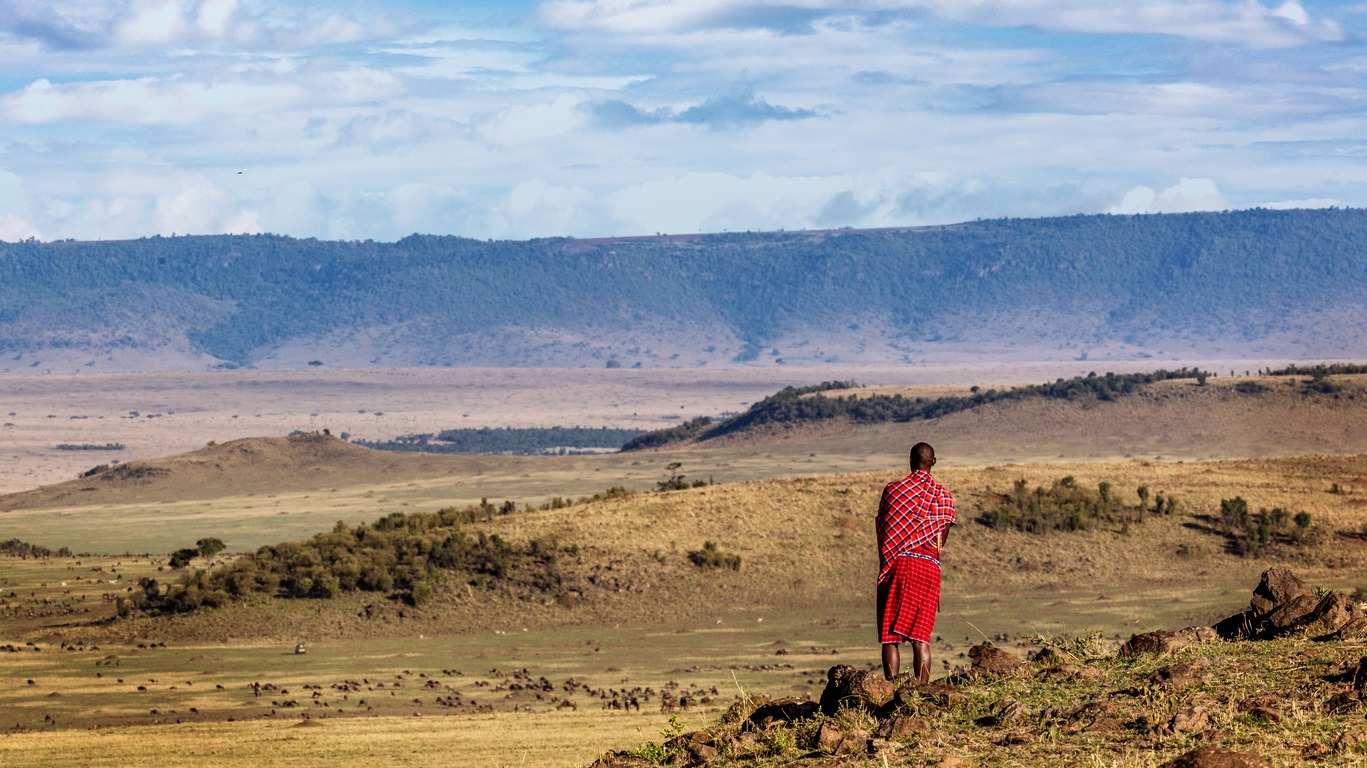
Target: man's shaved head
[(922, 456)]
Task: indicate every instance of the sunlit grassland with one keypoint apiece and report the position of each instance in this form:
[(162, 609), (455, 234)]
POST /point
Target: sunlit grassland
[(804, 590), (553, 739)]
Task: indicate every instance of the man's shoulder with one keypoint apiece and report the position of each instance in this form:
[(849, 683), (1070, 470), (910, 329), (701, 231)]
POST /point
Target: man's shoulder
[(919, 481)]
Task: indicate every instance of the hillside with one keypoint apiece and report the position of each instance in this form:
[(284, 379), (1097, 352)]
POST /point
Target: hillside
[(261, 490), (1251, 284)]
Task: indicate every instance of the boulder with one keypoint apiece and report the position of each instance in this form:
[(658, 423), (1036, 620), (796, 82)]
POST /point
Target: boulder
[(1165, 641), (988, 659), (901, 727), (1181, 674), (1189, 720), (1283, 604), (1280, 585), (850, 687), (1286, 616), (781, 711), (1208, 757)]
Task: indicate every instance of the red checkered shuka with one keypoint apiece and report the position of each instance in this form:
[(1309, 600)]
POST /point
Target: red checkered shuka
[(909, 599), (913, 512)]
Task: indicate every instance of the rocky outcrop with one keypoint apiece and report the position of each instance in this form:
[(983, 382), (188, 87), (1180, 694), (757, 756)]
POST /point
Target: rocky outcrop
[(1165, 641), (850, 687), (988, 659), (1283, 604)]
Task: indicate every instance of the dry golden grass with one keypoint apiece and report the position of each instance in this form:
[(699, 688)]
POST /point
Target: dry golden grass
[(553, 740), (270, 495), (799, 514)]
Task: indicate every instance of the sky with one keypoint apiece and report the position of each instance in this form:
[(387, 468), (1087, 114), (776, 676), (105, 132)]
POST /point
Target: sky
[(590, 118)]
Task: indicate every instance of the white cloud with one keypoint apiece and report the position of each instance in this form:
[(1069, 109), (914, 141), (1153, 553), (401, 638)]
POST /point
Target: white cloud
[(533, 122), (1243, 22), (151, 23), (1186, 196), (201, 207), (14, 228)]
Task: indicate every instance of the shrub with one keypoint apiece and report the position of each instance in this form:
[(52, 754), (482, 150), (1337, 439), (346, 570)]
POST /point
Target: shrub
[(1067, 506), (710, 557)]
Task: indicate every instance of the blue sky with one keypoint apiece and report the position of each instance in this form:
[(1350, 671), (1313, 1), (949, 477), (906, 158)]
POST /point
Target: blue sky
[(356, 120)]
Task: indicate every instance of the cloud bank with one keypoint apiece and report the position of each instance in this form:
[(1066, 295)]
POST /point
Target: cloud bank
[(602, 117)]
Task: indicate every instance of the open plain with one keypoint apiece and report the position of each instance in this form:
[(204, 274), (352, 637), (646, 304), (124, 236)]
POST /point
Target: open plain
[(532, 681)]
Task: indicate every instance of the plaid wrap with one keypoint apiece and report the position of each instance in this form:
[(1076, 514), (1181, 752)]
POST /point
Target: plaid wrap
[(909, 598), (912, 513)]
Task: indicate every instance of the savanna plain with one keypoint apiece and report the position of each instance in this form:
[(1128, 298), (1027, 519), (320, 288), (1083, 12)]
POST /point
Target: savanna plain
[(636, 632)]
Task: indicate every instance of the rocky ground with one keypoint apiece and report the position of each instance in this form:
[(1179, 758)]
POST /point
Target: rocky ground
[(1282, 682)]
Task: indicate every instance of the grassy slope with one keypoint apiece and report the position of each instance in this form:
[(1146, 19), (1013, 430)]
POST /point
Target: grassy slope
[(806, 545), (275, 494)]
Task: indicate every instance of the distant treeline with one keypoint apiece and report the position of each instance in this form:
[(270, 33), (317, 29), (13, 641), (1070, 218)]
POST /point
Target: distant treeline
[(1319, 371), (90, 447), (507, 440), (402, 554), (795, 405), (23, 549)]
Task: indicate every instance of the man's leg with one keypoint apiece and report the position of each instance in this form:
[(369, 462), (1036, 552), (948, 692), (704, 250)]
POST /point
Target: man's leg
[(920, 660), (892, 660)]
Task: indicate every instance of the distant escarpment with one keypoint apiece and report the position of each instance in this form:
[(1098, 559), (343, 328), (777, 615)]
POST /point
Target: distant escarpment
[(1238, 284)]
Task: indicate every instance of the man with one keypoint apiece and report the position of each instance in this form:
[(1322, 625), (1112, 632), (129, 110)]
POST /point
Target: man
[(913, 523)]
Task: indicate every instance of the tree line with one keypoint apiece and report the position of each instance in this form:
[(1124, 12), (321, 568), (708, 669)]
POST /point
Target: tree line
[(792, 406)]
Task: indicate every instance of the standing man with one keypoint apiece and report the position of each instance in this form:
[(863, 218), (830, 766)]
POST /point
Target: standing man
[(913, 523)]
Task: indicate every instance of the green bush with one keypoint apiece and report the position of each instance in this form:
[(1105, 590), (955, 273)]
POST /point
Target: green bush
[(1067, 506), (710, 557)]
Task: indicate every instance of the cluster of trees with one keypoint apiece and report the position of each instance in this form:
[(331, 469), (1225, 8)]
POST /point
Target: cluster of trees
[(408, 555), (1240, 273), (1249, 533), (527, 441), (89, 447), (1319, 371), (792, 406), (1067, 506), (25, 550)]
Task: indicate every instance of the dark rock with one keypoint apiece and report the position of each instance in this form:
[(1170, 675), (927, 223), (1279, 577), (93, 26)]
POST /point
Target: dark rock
[(1208, 757), (883, 746), (1188, 720), (902, 727), (1016, 737), (1286, 616), (781, 711), (1180, 674), (1333, 612), (850, 687), (1360, 675), (855, 741), (988, 659), (943, 695), (702, 754), (1002, 712), (828, 737), (1166, 641), (1280, 585), (1355, 628), (1049, 657)]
